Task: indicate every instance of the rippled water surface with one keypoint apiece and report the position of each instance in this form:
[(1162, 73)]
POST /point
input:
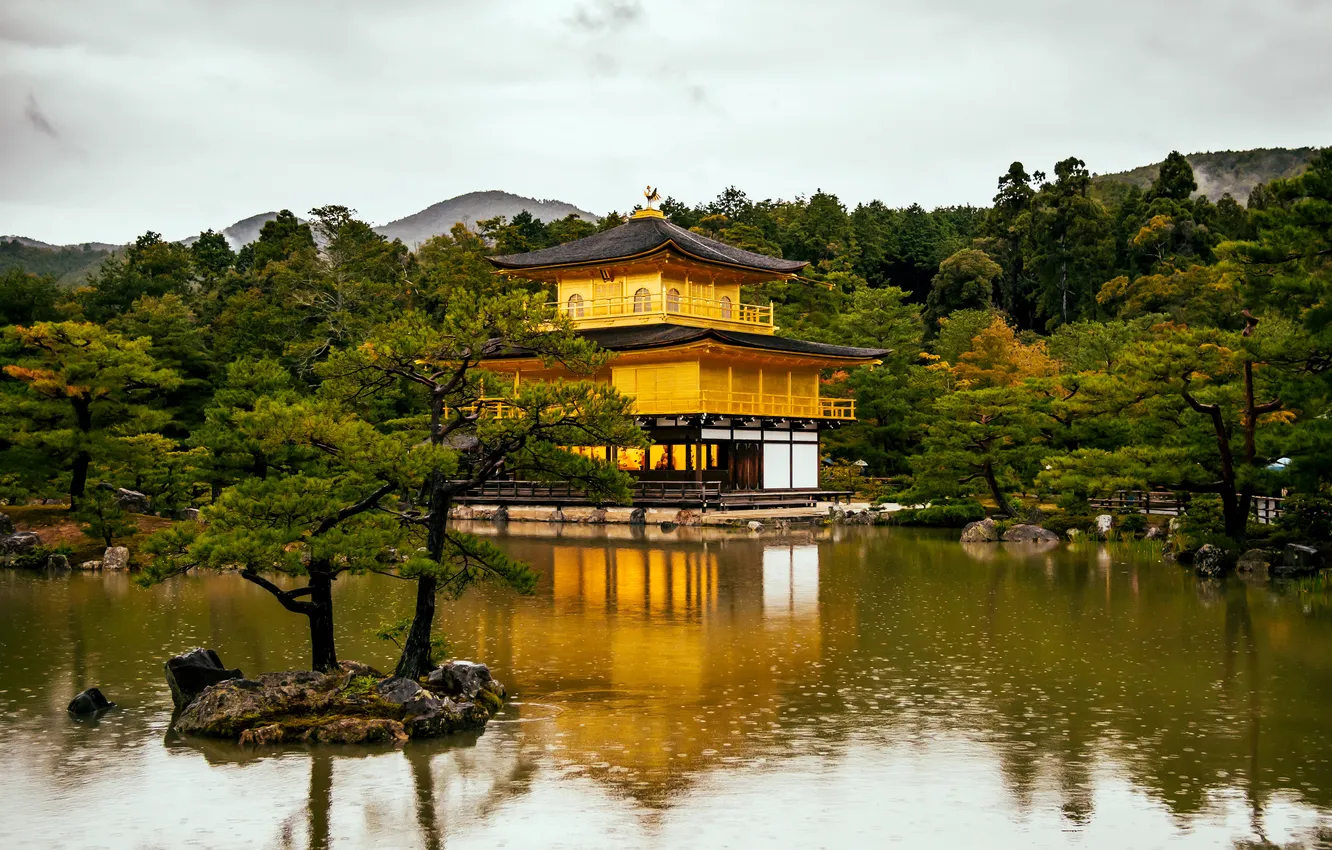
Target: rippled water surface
[(843, 688)]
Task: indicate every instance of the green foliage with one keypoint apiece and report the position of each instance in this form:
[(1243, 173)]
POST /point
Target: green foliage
[(36, 558), (102, 518), (1308, 517), (26, 298), (1131, 522), (965, 282), (1061, 521), (940, 513), (67, 267), (395, 632), (84, 390)]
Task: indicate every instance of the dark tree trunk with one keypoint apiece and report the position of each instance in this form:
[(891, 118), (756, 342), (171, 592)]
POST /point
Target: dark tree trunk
[(323, 655), (78, 482), (999, 498), (415, 660)]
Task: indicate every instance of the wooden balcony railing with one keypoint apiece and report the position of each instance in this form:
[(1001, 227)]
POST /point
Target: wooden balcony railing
[(775, 405), (746, 404), (632, 309)]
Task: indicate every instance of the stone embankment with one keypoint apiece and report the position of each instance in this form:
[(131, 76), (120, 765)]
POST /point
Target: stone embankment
[(353, 704)]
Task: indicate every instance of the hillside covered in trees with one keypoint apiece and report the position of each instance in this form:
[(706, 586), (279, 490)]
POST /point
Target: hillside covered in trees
[(1058, 344)]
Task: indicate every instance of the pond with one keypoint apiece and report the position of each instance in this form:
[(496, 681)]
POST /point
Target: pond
[(835, 687)]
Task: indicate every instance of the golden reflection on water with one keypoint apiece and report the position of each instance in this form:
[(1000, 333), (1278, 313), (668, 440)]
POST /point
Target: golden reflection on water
[(698, 688)]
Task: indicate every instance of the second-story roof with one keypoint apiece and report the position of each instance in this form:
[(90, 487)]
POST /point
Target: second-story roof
[(642, 236), (647, 337)]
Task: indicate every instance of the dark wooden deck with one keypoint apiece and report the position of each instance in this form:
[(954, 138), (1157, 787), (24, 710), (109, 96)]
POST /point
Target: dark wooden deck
[(650, 494)]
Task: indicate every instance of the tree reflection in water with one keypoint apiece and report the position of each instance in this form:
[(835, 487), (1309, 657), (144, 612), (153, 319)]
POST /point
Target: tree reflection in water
[(661, 672)]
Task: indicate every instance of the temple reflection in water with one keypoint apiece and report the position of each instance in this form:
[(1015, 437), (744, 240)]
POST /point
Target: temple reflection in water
[(695, 685)]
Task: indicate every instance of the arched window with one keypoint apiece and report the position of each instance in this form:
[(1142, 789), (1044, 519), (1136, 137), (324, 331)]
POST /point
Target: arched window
[(642, 300), (726, 306), (575, 306), (672, 300)]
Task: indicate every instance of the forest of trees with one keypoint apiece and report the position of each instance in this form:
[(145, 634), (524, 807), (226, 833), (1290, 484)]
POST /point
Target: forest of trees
[(311, 389)]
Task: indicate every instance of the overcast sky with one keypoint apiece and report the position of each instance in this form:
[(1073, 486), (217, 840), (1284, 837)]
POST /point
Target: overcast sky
[(175, 115)]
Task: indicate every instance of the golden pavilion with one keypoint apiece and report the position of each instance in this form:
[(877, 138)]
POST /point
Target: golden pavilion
[(730, 406)]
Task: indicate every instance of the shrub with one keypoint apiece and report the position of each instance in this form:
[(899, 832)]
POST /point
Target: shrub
[(1307, 517), (102, 518), (1061, 522), (941, 513), (1131, 522), (36, 557)]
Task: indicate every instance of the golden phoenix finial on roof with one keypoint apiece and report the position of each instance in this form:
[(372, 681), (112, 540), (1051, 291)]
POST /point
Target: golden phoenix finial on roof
[(652, 195)]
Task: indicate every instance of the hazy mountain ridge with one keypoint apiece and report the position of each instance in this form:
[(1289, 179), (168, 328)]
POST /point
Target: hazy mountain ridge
[(1220, 172), (472, 208), (68, 264)]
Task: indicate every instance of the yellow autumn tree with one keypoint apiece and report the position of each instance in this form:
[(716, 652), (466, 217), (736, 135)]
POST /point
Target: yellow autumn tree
[(998, 358)]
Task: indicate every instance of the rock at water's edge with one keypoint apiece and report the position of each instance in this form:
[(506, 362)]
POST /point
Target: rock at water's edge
[(1025, 533), (335, 707), (1104, 523), (19, 542), (1212, 561), (115, 558), (6, 525), (638, 516), (1254, 562), (984, 531), (1297, 559), (90, 701), (190, 673), (459, 678)]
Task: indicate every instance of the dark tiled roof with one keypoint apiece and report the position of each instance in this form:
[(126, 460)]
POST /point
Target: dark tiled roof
[(638, 337), (639, 237)]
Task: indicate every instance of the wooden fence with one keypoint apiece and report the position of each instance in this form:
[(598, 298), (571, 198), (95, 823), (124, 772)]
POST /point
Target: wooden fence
[(1265, 509)]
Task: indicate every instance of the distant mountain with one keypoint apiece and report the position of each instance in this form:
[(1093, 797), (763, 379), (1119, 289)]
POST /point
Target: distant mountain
[(69, 264), (1221, 172), (471, 208)]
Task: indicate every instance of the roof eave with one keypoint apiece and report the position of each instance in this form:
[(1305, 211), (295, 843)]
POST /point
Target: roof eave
[(664, 247)]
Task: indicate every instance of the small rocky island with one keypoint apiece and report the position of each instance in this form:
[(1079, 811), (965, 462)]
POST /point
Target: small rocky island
[(352, 704)]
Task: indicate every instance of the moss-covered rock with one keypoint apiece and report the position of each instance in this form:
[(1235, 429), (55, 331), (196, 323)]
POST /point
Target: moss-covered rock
[(354, 704)]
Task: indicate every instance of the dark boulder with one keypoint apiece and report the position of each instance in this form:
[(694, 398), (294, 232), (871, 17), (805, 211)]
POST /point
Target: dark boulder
[(638, 516), (132, 501), (90, 701), (1025, 533), (189, 673), (669, 526), (399, 690), (1254, 563), (19, 543), (6, 525), (501, 514), (57, 562), (1298, 559), (1212, 561), (459, 678)]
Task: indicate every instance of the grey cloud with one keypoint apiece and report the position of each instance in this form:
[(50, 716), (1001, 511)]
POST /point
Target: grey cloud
[(35, 117), (607, 15), (206, 113)]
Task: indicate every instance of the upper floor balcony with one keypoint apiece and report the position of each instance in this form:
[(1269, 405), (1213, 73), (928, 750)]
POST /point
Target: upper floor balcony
[(646, 307), (718, 403)]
